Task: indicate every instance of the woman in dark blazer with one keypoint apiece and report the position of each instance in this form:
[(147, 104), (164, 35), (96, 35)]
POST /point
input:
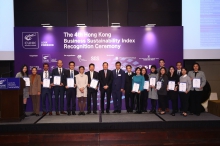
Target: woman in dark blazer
[(173, 94), (144, 93), (35, 91), (162, 92)]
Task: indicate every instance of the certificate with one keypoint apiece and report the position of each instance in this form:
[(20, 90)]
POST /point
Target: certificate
[(146, 85), (46, 83), (152, 81), (70, 82), (56, 80), (182, 87), (135, 87), (196, 83), (171, 85), (94, 83), (27, 81), (159, 84)]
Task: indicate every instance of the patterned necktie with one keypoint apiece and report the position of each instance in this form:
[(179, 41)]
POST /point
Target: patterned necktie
[(71, 74), (60, 72), (45, 74)]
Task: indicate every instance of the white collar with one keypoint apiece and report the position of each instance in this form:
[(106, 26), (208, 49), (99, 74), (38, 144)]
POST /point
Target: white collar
[(184, 75)]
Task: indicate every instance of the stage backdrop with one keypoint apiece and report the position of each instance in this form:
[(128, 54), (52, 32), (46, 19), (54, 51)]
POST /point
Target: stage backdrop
[(137, 46)]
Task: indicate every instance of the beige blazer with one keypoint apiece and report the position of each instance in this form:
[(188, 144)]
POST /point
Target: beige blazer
[(36, 86)]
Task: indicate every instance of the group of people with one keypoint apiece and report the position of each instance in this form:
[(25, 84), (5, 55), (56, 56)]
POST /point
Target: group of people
[(113, 83)]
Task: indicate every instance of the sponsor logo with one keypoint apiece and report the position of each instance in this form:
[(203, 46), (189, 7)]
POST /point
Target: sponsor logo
[(38, 68), (149, 58), (2, 81), (94, 58), (52, 67), (80, 58), (46, 58), (33, 55), (30, 40), (46, 44)]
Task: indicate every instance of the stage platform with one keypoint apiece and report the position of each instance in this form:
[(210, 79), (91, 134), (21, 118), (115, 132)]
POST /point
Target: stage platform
[(97, 122)]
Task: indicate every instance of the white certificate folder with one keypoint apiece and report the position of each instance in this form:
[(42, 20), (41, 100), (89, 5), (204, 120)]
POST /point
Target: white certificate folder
[(94, 83), (70, 82)]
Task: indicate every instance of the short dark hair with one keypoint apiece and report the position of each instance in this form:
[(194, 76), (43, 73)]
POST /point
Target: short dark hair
[(128, 66), (179, 62), (46, 64), (118, 62), (137, 69), (81, 67), (162, 60), (154, 66), (198, 66), (34, 68), (91, 64), (72, 62), (105, 63), (184, 69)]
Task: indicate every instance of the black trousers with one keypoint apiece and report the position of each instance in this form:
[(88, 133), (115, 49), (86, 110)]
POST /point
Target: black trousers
[(173, 95), (166, 101), (144, 98), (59, 94), (71, 98), (195, 102), (108, 93), (184, 99), (129, 100), (138, 101), (91, 93), (162, 101), (153, 104)]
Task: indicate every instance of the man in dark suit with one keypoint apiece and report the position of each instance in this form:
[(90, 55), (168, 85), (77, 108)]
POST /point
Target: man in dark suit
[(129, 98), (105, 79), (118, 84), (70, 92), (46, 92), (179, 74), (91, 92), (59, 89)]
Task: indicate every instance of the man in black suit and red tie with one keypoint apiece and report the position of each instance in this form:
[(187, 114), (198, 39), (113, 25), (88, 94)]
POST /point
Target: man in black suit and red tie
[(70, 92), (129, 98), (105, 79), (59, 89), (91, 92)]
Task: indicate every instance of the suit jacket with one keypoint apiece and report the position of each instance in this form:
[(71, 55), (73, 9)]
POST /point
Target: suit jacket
[(49, 76), (128, 81), (118, 80), (95, 76), (67, 75), (201, 76), (56, 73), (36, 86), (175, 72), (105, 80)]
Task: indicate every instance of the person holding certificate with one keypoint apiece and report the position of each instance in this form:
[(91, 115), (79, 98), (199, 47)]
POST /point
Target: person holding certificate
[(129, 98), (81, 84), (184, 91), (162, 90), (118, 83), (198, 82), (24, 73), (70, 85), (152, 93), (35, 91), (105, 79), (172, 89), (144, 93), (92, 88), (46, 80), (137, 87)]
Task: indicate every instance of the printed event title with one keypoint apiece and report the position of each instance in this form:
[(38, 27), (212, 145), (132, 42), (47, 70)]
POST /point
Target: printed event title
[(99, 40)]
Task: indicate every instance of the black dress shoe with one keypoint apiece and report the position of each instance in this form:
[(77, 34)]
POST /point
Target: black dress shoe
[(144, 111), (37, 115), (115, 111), (191, 114), (198, 114), (69, 114), (80, 113), (173, 114), (119, 111), (25, 115), (102, 112), (33, 114), (95, 112), (128, 111), (107, 111), (88, 112), (83, 113), (73, 113)]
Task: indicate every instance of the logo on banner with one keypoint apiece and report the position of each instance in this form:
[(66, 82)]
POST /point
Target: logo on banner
[(149, 58), (46, 58), (94, 58), (30, 40), (80, 58), (3, 84)]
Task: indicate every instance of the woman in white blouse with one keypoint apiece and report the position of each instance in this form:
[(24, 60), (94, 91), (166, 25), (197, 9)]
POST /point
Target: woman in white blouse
[(81, 83)]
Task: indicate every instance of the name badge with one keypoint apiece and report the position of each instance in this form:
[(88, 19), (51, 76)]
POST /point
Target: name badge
[(119, 74)]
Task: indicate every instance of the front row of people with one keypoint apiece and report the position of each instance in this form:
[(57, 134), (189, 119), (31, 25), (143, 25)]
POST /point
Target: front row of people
[(113, 83)]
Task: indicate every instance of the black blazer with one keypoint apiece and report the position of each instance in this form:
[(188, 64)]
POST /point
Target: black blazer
[(56, 73), (67, 75), (95, 76), (50, 76), (128, 81), (178, 76), (105, 80)]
